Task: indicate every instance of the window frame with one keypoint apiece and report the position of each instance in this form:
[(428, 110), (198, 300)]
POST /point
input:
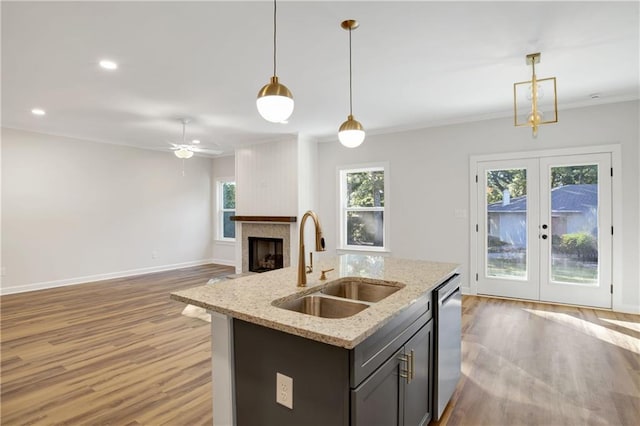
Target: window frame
[(220, 182), (343, 209)]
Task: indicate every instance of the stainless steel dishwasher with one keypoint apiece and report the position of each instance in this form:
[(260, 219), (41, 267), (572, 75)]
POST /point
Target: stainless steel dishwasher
[(448, 337)]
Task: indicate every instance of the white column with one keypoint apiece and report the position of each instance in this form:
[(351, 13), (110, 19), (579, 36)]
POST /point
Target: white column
[(222, 370)]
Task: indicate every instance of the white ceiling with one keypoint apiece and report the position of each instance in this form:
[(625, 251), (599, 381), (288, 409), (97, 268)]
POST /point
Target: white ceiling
[(415, 64)]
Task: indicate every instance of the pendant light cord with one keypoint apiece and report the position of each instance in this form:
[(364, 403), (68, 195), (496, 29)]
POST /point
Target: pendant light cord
[(350, 78), (274, 36)]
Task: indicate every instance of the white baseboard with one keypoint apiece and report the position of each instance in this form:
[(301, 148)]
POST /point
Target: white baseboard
[(467, 291), (627, 309), (225, 262), (101, 277)]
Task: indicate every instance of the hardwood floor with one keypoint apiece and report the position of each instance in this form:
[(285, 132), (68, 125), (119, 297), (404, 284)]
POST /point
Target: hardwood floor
[(539, 364), (114, 352), (118, 352)]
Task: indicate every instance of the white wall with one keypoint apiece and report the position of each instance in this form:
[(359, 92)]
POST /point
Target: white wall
[(76, 211), (267, 179), (429, 175), (223, 251), (307, 193)]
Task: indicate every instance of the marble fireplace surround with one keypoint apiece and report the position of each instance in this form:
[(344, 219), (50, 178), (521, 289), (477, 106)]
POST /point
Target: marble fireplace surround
[(266, 230)]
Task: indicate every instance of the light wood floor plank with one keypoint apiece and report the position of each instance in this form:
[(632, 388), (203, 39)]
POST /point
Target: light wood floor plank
[(119, 352), (112, 352), (539, 364)]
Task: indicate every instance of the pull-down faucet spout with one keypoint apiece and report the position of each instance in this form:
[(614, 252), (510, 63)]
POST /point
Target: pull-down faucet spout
[(302, 268)]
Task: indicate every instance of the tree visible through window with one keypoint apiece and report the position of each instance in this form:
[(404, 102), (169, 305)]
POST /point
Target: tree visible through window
[(227, 203), (363, 207)]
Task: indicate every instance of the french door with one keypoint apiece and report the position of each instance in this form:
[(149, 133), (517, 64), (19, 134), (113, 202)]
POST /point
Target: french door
[(544, 229)]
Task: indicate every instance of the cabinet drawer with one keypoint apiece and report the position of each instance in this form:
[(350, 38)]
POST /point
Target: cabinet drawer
[(377, 348)]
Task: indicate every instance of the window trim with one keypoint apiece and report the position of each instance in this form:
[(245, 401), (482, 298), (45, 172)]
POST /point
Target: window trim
[(220, 210), (342, 171)]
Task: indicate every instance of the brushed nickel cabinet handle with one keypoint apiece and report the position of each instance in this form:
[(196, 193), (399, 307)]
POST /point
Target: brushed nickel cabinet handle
[(411, 367), (405, 373)]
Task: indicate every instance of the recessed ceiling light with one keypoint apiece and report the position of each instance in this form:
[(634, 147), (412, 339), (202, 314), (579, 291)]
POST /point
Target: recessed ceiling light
[(38, 111), (195, 141), (108, 65)]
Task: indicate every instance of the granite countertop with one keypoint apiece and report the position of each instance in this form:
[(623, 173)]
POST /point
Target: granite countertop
[(250, 298)]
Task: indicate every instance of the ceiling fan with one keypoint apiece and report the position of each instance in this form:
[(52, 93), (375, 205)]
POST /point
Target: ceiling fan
[(186, 150)]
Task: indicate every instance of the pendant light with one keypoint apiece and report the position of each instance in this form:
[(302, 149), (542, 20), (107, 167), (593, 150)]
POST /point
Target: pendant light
[(275, 101), (530, 105), (351, 133)]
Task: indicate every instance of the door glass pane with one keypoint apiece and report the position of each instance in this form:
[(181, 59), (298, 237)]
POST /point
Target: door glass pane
[(574, 224), (506, 204)]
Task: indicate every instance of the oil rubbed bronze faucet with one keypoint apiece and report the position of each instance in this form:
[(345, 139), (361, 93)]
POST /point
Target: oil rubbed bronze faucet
[(302, 268)]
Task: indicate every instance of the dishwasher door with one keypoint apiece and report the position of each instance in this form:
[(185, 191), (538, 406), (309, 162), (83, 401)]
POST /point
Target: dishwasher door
[(448, 337)]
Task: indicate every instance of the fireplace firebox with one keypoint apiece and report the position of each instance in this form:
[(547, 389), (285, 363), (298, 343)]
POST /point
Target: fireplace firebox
[(265, 254)]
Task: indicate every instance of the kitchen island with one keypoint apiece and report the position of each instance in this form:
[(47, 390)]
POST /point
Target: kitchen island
[(328, 360)]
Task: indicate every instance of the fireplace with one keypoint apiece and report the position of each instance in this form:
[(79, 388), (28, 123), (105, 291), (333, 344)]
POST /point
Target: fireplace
[(265, 254), (265, 231)]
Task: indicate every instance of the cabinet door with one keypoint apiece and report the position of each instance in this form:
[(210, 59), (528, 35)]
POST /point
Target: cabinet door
[(417, 393), (378, 400)]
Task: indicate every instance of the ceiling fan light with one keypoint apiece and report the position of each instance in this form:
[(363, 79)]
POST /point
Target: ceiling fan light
[(351, 133), (183, 153), (275, 101)]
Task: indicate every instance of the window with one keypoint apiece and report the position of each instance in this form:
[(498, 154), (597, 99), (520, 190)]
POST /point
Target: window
[(362, 208), (226, 209)]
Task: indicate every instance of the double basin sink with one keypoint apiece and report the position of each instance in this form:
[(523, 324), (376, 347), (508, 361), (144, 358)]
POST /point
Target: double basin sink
[(341, 298)]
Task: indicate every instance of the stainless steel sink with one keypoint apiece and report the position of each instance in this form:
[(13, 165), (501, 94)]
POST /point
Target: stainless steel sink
[(324, 307), (361, 289)]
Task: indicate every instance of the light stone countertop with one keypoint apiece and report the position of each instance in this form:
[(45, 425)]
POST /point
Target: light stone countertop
[(250, 298)]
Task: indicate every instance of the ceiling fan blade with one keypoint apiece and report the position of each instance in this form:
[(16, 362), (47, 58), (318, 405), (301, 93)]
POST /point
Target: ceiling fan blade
[(206, 150)]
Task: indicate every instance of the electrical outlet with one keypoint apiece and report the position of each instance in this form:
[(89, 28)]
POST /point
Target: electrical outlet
[(154, 254), (284, 390)]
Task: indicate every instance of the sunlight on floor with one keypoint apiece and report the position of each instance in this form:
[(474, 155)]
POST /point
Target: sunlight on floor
[(594, 330), (634, 326), (508, 384)]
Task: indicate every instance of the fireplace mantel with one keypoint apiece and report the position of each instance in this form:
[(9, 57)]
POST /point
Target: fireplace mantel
[(279, 219)]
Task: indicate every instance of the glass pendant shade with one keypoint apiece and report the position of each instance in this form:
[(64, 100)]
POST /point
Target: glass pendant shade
[(351, 133), (183, 153), (275, 102)]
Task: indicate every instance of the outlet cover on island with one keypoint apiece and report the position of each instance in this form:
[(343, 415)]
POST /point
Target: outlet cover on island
[(284, 390)]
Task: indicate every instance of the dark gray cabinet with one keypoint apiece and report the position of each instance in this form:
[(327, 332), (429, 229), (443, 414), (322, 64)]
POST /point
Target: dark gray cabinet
[(378, 400), (399, 391), (385, 380), (418, 388)]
